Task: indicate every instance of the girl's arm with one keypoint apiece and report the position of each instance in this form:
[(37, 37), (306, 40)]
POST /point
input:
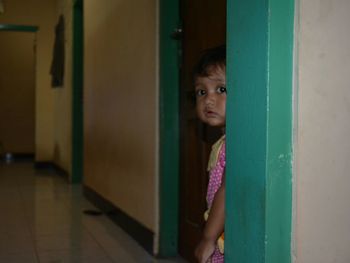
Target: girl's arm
[(213, 227)]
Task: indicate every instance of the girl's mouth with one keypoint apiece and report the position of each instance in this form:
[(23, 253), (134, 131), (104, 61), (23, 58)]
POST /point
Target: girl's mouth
[(210, 114)]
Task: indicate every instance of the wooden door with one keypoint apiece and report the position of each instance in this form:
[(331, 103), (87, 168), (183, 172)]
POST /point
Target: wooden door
[(17, 92), (204, 26)]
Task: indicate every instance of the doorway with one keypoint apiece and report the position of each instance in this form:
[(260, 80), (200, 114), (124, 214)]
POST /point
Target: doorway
[(17, 91), (198, 34), (259, 127)]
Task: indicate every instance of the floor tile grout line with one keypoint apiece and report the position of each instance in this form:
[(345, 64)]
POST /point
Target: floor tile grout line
[(99, 244), (107, 237), (27, 220), (93, 236)]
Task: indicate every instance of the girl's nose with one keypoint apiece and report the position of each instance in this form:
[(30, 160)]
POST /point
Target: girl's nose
[(210, 99)]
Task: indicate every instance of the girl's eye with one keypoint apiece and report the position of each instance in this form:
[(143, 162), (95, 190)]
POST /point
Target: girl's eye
[(221, 90), (200, 93)]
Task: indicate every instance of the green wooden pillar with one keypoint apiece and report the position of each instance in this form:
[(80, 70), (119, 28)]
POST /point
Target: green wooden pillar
[(77, 93), (259, 131), (169, 129)]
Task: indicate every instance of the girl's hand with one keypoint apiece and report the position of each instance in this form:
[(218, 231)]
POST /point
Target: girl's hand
[(204, 250), (214, 226)]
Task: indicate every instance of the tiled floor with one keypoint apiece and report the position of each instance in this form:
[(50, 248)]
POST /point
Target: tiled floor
[(42, 220)]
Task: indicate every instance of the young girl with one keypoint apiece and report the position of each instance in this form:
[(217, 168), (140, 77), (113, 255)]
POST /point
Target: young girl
[(210, 88)]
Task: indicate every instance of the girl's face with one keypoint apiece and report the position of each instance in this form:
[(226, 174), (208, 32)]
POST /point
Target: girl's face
[(211, 97)]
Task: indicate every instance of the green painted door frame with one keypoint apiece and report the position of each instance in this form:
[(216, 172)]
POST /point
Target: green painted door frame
[(259, 130), (77, 93), (169, 129)]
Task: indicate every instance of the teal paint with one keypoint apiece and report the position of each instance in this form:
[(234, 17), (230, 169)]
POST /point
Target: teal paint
[(77, 93), (169, 129), (259, 128), (247, 40), (279, 162), (21, 28)]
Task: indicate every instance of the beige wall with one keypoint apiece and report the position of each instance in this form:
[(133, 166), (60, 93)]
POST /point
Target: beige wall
[(322, 225), (63, 97), (120, 105), (39, 13), (17, 92)]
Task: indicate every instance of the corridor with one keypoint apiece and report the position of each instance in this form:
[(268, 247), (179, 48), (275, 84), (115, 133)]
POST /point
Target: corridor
[(42, 220)]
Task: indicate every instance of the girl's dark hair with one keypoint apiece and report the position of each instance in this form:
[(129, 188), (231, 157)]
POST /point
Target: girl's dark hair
[(212, 57)]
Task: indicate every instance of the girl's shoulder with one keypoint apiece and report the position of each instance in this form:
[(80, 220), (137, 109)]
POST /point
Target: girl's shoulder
[(222, 155), (217, 152)]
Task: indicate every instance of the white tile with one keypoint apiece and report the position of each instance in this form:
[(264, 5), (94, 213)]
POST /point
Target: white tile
[(43, 216), (173, 260), (16, 243), (74, 240), (18, 258), (74, 256)]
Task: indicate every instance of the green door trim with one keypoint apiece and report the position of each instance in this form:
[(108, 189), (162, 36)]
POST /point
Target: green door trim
[(77, 93), (259, 131), (168, 128), (21, 28)]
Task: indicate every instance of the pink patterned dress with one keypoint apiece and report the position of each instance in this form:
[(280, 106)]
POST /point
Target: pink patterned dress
[(216, 171)]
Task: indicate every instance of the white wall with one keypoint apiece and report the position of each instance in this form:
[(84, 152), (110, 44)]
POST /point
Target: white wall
[(322, 226)]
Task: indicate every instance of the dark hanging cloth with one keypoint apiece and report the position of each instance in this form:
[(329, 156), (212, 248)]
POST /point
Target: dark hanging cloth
[(57, 65)]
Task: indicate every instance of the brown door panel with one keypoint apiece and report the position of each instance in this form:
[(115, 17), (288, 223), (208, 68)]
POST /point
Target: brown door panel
[(204, 26)]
